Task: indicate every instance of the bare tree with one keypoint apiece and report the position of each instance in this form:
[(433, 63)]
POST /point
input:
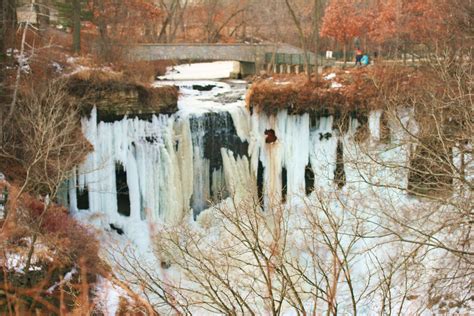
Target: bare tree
[(174, 14), (44, 140), (220, 14), (76, 20), (302, 37), (249, 261), (434, 128)]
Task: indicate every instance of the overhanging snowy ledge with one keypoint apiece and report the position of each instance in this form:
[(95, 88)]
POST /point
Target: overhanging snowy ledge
[(116, 97)]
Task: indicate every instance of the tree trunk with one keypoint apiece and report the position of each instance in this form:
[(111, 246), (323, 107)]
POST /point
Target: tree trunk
[(18, 74), (104, 45), (178, 21), (316, 38), (76, 21), (397, 25), (29, 258), (302, 39), (344, 51), (404, 52)]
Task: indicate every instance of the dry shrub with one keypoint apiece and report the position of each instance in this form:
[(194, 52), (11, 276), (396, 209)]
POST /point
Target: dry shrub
[(44, 136), (98, 75), (72, 240), (144, 72), (394, 81), (62, 246), (43, 48)]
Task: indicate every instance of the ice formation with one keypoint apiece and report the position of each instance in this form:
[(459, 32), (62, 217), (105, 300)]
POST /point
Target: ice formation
[(176, 164), (168, 170)]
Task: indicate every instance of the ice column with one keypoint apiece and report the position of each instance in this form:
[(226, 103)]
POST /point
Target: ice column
[(239, 180), (374, 124), (297, 141), (155, 155), (290, 150), (323, 144), (201, 169)]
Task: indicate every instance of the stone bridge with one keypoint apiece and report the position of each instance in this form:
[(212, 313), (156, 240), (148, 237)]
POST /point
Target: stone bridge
[(252, 57)]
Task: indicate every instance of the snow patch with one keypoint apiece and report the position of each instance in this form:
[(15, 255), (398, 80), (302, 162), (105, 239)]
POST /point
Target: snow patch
[(213, 70), (67, 278), (107, 296), (336, 85), (330, 76)]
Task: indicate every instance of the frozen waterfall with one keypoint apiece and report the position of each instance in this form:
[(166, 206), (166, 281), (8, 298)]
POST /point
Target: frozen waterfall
[(181, 162), (168, 169)]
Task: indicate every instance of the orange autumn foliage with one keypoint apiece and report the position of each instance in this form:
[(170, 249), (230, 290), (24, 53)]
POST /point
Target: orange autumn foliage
[(410, 20), (400, 22), (342, 20), (135, 20)]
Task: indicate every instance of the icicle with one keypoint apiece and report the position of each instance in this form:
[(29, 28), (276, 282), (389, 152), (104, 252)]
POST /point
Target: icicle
[(374, 124), (297, 141), (238, 177), (184, 155), (218, 184), (241, 119), (72, 183), (201, 186), (272, 157), (284, 152)]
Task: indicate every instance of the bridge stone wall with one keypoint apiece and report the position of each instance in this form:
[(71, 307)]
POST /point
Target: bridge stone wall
[(257, 54), (240, 52)]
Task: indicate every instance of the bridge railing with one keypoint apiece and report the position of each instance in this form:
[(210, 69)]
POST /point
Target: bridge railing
[(291, 59)]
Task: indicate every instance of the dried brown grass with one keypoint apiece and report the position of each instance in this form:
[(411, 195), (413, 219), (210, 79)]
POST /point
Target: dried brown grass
[(98, 75), (143, 72), (360, 91)]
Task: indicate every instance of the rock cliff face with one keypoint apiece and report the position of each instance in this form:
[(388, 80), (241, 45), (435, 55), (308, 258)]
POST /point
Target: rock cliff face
[(114, 99)]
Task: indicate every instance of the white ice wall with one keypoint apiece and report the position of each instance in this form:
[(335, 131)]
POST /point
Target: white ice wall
[(154, 165), (165, 166)]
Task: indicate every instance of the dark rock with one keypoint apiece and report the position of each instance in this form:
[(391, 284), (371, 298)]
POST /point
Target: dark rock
[(309, 178), (339, 173), (270, 136), (324, 136), (114, 99), (123, 195), (207, 87), (117, 229)]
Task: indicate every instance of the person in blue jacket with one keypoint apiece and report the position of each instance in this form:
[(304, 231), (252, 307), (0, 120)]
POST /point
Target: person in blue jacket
[(365, 60)]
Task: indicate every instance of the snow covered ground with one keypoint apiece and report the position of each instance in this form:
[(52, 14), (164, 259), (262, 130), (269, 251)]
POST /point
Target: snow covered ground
[(201, 96), (197, 71)]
